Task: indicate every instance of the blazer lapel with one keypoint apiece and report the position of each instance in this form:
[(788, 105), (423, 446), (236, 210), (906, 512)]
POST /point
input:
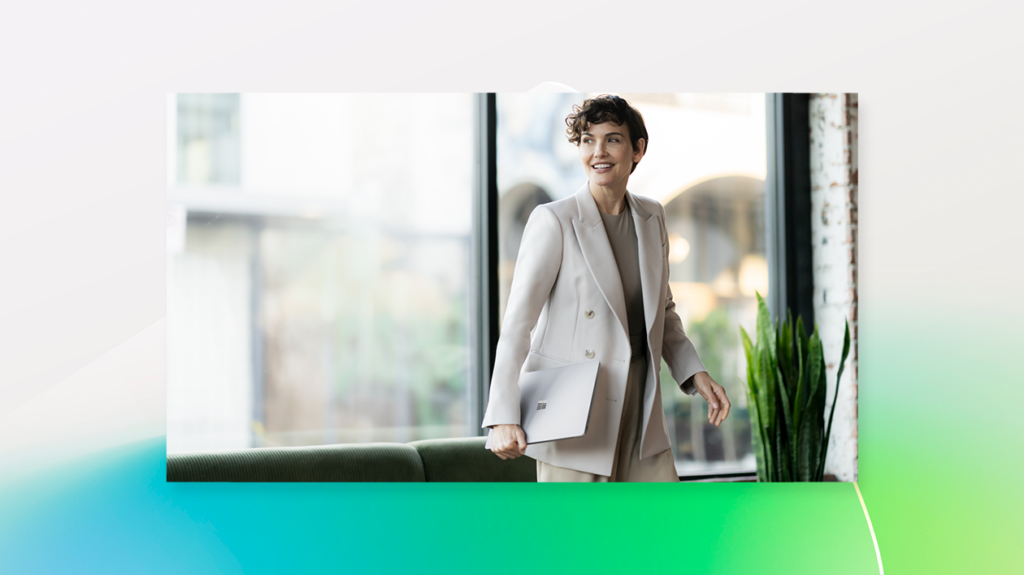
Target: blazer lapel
[(649, 250), (597, 252)]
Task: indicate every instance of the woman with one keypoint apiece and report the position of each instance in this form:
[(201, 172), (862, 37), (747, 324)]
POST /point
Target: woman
[(593, 267)]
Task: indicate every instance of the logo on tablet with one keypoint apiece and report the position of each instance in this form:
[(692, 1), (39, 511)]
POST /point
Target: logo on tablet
[(543, 404)]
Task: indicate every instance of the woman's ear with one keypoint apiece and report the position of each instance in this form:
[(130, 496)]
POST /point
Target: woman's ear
[(641, 147)]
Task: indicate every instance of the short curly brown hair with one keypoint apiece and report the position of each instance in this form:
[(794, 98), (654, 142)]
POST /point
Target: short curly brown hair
[(606, 108)]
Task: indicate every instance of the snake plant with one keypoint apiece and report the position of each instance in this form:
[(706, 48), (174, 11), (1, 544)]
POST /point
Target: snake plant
[(786, 398)]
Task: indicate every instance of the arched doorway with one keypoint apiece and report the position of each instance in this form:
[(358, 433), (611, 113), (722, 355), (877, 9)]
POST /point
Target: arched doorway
[(717, 263)]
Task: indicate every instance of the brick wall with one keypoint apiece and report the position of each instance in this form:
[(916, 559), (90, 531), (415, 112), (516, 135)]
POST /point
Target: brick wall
[(833, 122)]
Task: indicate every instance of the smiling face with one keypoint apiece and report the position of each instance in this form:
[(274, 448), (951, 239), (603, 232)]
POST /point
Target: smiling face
[(606, 154)]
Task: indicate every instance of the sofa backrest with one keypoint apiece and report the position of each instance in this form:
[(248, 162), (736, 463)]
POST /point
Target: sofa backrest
[(461, 459), (361, 462), (465, 459)]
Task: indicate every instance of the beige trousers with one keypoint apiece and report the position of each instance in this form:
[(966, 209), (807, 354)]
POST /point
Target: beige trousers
[(627, 465)]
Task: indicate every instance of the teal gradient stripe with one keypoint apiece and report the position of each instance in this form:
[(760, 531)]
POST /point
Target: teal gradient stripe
[(115, 513)]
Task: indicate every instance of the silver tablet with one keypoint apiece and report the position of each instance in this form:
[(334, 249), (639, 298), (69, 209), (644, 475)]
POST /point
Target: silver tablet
[(555, 403)]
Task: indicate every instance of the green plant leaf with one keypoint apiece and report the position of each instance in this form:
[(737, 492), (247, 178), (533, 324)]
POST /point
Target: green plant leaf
[(765, 332), (766, 395), (788, 432), (846, 349), (800, 400), (807, 450), (784, 351), (814, 364), (766, 405), (814, 409), (782, 455), (801, 335), (819, 418), (757, 436), (749, 353), (835, 396)]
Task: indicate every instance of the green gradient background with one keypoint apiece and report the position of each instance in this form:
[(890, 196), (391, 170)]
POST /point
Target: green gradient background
[(940, 427)]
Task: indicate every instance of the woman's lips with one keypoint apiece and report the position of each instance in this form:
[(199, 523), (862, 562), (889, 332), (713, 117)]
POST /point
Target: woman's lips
[(602, 167)]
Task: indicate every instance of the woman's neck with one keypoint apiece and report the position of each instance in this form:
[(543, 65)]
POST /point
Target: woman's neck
[(609, 201)]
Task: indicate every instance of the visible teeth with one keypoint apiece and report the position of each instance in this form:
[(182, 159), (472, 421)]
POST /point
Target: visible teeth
[(602, 166)]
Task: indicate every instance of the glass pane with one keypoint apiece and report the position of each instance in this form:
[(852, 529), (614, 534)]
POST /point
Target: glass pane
[(325, 298), (706, 164), (208, 138)]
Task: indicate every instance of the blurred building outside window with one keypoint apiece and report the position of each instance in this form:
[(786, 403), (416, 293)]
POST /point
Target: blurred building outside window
[(318, 269)]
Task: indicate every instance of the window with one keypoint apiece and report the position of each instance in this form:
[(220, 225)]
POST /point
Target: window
[(707, 165), (331, 255), (322, 292)]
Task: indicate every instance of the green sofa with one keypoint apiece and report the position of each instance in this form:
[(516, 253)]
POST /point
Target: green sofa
[(463, 459)]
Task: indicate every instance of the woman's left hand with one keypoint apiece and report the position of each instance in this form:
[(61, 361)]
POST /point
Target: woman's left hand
[(718, 403)]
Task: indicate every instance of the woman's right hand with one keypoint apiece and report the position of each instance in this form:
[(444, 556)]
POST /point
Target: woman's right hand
[(508, 441)]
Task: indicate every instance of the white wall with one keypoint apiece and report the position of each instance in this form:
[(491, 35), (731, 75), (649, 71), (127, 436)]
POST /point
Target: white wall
[(833, 120)]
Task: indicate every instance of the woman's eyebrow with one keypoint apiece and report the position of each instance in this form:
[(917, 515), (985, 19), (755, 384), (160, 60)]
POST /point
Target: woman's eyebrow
[(606, 135)]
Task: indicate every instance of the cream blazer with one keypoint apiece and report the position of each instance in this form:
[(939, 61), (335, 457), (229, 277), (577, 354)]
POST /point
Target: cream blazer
[(566, 306)]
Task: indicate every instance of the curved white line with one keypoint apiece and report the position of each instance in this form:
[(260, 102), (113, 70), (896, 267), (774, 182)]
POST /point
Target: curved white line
[(878, 554), (552, 88)]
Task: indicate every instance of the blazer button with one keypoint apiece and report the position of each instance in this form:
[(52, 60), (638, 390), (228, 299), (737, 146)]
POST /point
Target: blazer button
[(589, 314), (589, 353)]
